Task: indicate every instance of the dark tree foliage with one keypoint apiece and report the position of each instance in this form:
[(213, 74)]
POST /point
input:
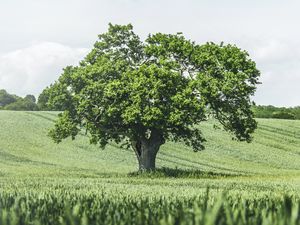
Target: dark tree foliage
[(55, 98), (13, 102), (22, 105), (283, 115), (6, 98), (30, 98), (147, 93), (43, 100)]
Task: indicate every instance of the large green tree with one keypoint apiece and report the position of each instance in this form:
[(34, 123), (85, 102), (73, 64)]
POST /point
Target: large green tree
[(146, 93)]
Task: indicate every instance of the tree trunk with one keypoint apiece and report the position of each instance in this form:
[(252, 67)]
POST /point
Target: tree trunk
[(147, 158), (146, 150)]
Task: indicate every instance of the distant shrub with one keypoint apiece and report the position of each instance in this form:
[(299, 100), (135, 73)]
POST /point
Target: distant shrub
[(16, 103), (270, 111), (283, 115), (6, 98), (30, 98), (22, 105)]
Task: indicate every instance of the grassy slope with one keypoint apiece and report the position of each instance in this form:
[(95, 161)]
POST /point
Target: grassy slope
[(272, 160)]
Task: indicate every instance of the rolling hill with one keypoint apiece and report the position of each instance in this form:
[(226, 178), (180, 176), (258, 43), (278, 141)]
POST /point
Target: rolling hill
[(42, 181), (26, 150)]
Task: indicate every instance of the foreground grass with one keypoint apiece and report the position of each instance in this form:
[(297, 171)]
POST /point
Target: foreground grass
[(77, 183), (63, 206)]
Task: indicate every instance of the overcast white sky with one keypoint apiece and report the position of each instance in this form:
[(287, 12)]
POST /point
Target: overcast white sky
[(40, 37)]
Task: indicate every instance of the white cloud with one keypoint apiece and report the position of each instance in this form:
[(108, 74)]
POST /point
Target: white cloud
[(267, 29), (30, 70), (278, 60)]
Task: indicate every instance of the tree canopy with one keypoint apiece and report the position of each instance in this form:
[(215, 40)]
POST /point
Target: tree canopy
[(145, 93)]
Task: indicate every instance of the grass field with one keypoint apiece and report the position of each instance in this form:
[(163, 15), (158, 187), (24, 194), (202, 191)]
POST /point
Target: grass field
[(74, 182)]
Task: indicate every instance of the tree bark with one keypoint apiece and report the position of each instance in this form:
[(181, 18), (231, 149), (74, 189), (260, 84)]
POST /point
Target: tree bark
[(146, 150), (147, 157)]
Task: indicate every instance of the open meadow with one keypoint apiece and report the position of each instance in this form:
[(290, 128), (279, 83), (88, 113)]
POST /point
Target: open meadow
[(77, 183)]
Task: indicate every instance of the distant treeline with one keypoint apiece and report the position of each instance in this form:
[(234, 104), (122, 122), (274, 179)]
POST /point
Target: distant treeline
[(29, 103), (292, 113), (14, 102)]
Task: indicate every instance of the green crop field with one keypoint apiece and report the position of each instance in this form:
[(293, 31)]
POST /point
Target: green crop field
[(76, 183)]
